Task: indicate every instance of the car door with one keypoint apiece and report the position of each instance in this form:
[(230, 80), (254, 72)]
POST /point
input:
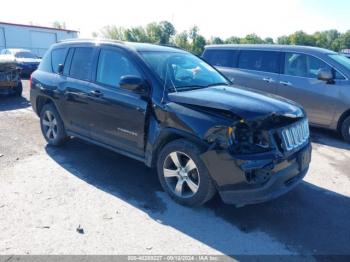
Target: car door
[(77, 90), (118, 115), (257, 70), (299, 83)]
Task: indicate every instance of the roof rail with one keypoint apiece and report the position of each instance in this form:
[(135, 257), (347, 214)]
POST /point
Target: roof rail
[(172, 46), (89, 39)]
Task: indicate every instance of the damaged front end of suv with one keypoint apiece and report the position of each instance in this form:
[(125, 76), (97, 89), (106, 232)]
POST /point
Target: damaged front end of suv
[(255, 153)]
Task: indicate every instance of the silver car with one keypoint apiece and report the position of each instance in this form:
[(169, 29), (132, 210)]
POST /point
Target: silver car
[(316, 78)]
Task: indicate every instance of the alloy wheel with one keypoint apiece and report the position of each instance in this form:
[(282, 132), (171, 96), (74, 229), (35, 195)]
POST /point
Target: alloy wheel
[(50, 125), (181, 174)]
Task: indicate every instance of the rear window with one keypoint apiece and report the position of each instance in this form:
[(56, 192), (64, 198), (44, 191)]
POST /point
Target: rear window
[(82, 63), (57, 57), (265, 61), (224, 58), (25, 54)]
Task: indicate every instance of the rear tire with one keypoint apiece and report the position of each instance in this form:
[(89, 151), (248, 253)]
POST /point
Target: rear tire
[(345, 129), (52, 126), (183, 174)]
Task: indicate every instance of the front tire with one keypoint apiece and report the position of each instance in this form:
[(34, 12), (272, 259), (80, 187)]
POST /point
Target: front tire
[(183, 175), (345, 129), (52, 126)]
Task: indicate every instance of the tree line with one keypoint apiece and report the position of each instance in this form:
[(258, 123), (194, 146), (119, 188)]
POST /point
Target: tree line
[(164, 33)]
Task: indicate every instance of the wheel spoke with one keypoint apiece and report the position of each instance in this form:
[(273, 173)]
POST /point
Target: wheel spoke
[(54, 122), (174, 157), (179, 186), (170, 173), (190, 165), (48, 133), (48, 116), (192, 185), (46, 123), (54, 133)]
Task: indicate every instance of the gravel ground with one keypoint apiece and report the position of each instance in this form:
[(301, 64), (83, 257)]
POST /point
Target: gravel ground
[(117, 203)]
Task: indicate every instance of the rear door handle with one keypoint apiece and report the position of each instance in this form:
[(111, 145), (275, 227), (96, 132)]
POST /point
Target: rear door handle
[(286, 83), (96, 93), (268, 79)]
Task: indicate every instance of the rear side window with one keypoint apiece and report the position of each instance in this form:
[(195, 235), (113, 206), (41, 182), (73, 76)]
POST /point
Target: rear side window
[(112, 65), (57, 57), (265, 61), (81, 63), (224, 58)]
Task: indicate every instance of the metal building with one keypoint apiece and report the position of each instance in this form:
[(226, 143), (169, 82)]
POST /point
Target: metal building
[(35, 38)]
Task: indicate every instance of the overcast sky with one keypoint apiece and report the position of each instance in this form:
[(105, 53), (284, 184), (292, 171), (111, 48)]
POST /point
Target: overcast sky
[(221, 18)]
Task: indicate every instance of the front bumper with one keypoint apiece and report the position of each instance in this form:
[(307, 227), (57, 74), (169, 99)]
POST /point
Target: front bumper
[(256, 178)]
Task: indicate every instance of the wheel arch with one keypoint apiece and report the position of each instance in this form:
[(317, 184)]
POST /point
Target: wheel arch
[(166, 136), (41, 101), (342, 118)]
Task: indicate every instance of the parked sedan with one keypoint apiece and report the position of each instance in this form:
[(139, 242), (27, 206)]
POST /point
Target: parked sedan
[(25, 60)]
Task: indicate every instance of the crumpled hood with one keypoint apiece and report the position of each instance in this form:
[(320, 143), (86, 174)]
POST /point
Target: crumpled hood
[(243, 103)]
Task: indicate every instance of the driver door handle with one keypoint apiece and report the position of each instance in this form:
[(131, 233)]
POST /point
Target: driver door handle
[(268, 79), (95, 93)]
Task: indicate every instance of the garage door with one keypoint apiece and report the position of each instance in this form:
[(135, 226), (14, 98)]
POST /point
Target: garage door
[(2, 38), (41, 41)]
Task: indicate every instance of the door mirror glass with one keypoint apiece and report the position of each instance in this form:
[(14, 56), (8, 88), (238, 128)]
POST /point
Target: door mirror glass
[(325, 74), (134, 84), (60, 68)]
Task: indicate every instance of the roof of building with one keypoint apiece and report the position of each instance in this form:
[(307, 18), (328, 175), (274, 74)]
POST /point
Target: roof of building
[(38, 27)]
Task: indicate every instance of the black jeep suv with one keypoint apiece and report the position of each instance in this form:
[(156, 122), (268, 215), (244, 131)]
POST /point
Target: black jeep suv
[(170, 109)]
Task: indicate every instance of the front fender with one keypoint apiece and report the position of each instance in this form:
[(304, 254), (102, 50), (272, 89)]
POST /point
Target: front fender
[(178, 121)]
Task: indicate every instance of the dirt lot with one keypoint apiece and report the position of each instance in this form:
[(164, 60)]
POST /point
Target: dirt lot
[(46, 193)]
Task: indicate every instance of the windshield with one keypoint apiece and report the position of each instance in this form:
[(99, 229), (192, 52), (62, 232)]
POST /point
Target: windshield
[(343, 60), (182, 71), (25, 55)]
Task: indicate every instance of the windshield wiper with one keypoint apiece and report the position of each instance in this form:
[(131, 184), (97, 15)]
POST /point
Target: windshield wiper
[(219, 84), (186, 88)]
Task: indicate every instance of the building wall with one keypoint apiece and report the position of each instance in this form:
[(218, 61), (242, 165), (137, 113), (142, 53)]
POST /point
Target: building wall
[(38, 40)]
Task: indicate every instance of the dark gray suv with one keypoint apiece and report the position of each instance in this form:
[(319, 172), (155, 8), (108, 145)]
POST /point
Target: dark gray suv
[(316, 78)]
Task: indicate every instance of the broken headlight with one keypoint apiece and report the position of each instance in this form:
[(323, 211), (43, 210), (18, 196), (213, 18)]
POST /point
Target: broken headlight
[(245, 139)]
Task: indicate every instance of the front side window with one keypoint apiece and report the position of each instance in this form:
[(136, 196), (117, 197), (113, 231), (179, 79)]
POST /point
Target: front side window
[(224, 58), (112, 66), (341, 59), (264, 61), (302, 65), (182, 71), (82, 63), (57, 57)]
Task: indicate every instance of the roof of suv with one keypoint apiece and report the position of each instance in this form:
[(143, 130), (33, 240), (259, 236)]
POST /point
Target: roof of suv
[(132, 45), (290, 48)]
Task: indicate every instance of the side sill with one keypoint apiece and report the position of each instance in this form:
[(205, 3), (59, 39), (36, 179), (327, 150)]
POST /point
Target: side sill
[(117, 150)]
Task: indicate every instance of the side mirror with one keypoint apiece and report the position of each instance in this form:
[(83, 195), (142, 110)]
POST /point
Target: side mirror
[(325, 75), (60, 69), (134, 84)]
